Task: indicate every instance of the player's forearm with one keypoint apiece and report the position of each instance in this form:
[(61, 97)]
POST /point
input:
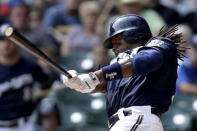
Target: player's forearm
[(126, 70), (96, 81), (143, 62), (101, 88)]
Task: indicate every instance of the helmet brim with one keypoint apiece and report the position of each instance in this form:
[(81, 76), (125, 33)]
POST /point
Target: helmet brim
[(108, 44)]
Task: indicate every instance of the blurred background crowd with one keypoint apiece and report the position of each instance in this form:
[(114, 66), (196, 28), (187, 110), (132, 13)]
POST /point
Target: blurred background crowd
[(71, 32)]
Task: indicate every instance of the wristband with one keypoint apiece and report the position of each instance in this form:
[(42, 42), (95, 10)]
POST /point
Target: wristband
[(112, 72)]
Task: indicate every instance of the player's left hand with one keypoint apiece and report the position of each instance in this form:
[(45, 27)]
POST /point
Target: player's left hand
[(84, 83)]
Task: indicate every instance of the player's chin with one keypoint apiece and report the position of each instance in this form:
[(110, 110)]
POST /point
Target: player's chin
[(116, 52)]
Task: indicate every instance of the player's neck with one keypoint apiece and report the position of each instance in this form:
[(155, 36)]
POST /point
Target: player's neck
[(10, 60)]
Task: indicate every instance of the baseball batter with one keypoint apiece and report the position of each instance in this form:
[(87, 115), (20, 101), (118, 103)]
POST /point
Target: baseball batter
[(141, 83)]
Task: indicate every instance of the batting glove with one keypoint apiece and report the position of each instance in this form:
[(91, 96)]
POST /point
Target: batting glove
[(84, 83), (123, 56)]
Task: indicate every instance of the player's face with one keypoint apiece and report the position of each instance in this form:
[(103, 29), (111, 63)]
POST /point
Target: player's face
[(119, 44), (7, 48)]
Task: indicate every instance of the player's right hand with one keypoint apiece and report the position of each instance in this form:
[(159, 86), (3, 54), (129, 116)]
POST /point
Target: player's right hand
[(72, 82), (84, 83)]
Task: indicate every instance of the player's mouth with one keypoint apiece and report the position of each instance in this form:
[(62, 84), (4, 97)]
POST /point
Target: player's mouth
[(115, 51)]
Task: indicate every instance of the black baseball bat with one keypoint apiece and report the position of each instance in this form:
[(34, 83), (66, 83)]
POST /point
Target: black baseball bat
[(21, 41)]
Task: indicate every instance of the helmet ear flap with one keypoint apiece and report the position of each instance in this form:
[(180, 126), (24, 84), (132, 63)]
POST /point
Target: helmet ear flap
[(131, 36)]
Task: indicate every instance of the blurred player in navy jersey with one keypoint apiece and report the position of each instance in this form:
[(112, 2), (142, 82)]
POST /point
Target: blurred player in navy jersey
[(141, 83), (18, 76)]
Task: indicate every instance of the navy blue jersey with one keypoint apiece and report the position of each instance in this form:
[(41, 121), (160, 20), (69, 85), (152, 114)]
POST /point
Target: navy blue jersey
[(16, 83), (154, 82)]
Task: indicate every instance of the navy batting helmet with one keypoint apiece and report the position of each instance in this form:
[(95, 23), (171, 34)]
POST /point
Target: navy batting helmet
[(133, 27)]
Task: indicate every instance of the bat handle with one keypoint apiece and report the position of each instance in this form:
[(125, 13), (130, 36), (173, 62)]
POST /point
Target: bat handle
[(59, 68), (68, 75)]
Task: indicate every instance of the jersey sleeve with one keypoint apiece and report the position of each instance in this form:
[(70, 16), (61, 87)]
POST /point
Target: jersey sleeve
[(165, 46), (152, 56), (147, 61)]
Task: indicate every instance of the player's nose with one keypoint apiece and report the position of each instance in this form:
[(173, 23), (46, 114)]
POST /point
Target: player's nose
[(114, 50)]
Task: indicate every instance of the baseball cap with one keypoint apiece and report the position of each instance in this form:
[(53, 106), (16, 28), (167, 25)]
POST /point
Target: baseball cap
[(193, 41)]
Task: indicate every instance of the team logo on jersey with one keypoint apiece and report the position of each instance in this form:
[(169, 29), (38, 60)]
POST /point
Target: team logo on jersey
[(155, 43), (111, 75), (15, 83)]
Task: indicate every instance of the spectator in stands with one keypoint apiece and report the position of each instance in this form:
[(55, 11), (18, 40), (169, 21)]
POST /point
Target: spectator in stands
[(187, 74), (63, 14), (191, 20), (169, 15), (187, 10), (44, 4), (20, 19), (49, 114), (154, 20), (18, 77), (108, 9), (82, 39), (35, 17), (41, 36)]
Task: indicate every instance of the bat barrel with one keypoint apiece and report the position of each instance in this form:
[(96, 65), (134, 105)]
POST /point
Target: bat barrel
[(21, 41)]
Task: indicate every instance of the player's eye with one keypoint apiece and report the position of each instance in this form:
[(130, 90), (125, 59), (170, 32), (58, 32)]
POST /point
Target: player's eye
[(117, 38)]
